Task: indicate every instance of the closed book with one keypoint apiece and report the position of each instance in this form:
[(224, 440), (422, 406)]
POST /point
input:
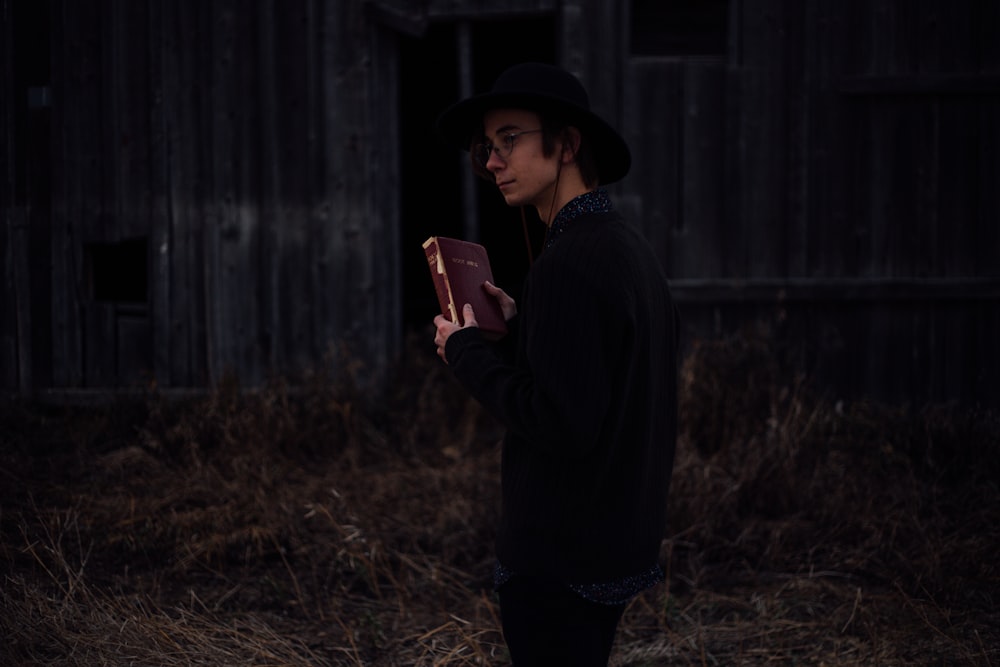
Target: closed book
[(459, 269)]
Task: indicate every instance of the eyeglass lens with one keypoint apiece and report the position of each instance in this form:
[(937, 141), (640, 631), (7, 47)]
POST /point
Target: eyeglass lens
[(483, 151)]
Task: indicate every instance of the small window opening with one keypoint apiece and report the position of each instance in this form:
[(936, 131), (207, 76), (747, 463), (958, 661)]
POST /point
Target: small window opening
[(679, 27), (119, 272)]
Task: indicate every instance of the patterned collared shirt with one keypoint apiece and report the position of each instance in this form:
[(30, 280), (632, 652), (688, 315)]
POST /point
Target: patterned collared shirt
[(595, 201)]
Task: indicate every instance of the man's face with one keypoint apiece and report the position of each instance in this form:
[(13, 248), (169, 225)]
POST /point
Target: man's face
[(525, 176)]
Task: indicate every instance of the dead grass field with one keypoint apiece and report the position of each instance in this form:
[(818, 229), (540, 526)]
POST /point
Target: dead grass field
[(311, 527)]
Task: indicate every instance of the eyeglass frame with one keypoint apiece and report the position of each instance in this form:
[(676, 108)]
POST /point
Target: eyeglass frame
[(488, 149)]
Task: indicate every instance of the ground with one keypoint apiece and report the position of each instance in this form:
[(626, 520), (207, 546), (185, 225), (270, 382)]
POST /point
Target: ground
[(306, 524)]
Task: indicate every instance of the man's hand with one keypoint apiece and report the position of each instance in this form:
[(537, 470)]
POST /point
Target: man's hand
[(445, 328), (507, 305)]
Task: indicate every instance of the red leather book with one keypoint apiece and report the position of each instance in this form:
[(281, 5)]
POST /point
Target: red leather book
[(459, 269)]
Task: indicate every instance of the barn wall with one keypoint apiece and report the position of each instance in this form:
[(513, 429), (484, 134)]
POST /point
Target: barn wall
[(240, 146), (216, 184), (831, 175)]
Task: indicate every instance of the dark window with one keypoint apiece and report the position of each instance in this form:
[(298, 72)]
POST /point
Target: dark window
[(118, 271), (679, 27)]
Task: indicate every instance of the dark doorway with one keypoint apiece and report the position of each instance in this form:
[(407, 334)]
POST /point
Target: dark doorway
[(431, 173)]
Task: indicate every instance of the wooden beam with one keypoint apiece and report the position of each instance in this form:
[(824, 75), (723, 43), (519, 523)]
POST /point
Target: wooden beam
[(921, 84), (834, 290)]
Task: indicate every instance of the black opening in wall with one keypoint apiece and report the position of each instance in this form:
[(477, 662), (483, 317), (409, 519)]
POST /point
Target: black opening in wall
[(431, 172), (118, 272)]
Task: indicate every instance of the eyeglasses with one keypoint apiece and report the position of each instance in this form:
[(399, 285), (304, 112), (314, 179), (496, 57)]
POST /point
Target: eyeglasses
[(481, 152)]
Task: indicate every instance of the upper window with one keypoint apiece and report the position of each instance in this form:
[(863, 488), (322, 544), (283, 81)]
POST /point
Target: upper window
[(679, 27)]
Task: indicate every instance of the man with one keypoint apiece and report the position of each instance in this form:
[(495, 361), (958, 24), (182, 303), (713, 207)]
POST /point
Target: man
[(585, 381)]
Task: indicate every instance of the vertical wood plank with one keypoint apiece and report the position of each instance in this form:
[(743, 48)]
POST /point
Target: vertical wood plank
[(234, 284), (762, 229), (11, 312), (162, 81), (591, 45), (273, 312), (186, 159), (832, 225), (345, 279), (652, 126), (799, 64), (287, 174), (100, 349), (16, 297), (702, 187), (78, 176), (386, 211)]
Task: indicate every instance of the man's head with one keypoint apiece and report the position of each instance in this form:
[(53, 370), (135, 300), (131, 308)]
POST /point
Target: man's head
[(497, 138), (562, 108), (527, 161)]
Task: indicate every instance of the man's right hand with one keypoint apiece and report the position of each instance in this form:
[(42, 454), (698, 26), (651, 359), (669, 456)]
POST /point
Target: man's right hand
[(507, 304)]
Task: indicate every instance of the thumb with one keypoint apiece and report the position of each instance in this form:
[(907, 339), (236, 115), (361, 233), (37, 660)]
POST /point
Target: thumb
[(469, 316)]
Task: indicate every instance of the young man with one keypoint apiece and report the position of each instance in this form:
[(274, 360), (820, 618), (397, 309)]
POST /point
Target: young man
[(585, 381)]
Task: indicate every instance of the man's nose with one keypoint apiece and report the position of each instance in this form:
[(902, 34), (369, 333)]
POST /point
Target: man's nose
[(495, 162)]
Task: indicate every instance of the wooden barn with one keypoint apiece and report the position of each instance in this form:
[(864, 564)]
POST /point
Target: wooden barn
[(193, 189)]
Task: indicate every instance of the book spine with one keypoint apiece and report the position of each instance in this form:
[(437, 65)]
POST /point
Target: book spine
[(441, 284)]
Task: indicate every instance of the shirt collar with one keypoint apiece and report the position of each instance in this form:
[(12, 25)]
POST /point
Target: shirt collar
[(595, 201)]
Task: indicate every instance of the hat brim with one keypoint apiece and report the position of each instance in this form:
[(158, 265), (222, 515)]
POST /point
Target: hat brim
[(460, 123)]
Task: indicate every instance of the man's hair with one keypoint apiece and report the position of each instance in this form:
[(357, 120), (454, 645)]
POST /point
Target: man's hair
[(554, 132)]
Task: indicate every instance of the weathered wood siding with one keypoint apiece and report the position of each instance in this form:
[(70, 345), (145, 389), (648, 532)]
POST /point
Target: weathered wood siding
[(237, 139), (835, 174), (834, 171)]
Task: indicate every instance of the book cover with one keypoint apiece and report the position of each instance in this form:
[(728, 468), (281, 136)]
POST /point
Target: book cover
[(459, 269)]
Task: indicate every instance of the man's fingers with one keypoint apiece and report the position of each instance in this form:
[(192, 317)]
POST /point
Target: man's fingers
[(469, 316), (507, 304), (444, 328)]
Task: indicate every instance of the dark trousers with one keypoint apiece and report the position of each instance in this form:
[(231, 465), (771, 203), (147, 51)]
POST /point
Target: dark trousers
[(548, 624)]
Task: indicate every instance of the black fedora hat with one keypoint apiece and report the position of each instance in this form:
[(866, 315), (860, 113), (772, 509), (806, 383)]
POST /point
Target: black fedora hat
[(543, 89)]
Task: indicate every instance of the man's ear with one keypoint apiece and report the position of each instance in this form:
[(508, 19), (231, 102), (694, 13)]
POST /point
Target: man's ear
[(570, 144)]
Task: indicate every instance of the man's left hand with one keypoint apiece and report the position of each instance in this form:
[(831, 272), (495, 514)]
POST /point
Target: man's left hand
[(444, 328)]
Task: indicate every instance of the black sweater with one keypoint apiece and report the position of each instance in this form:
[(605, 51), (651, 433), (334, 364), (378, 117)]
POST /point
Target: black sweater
[(589, 400)]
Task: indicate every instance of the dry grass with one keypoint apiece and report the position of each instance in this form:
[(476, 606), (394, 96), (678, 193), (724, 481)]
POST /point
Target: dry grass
[(307, 526)]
